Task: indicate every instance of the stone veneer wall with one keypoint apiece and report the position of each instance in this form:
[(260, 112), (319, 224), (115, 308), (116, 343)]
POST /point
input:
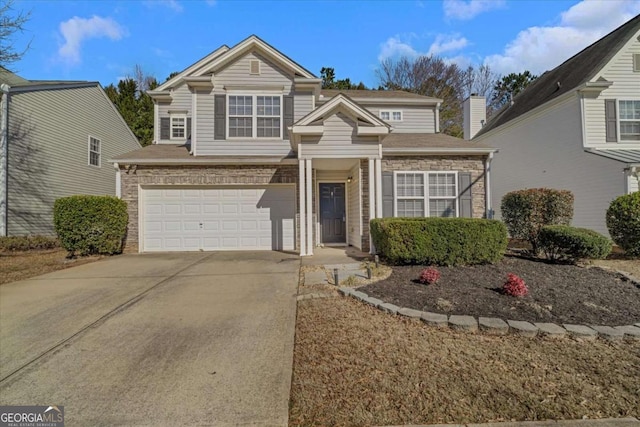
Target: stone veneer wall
[(197, 175), (473, 164)]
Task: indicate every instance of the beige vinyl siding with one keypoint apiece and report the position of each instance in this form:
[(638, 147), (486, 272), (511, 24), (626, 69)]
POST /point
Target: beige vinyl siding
[(415, 119), (180, 101), (625, 86), (252, 147), (354, 233), (204, 134), (302, 105), (48, 152), (237, 74), (546, 151), (340, 139)]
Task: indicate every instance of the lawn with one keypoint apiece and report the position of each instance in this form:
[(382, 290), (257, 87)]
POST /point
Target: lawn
[(22, 265), (355, 365)]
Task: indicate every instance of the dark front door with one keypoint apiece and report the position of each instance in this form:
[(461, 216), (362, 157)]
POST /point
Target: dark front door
[(332, 214)]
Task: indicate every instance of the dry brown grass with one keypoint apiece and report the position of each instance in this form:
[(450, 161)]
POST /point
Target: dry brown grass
[(631, 266), (23, 265), (355, 365)]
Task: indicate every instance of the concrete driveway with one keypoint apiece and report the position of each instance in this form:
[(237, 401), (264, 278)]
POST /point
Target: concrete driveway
[(166, 339)]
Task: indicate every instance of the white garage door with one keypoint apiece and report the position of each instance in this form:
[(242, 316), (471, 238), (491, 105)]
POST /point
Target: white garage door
[(219, 218)]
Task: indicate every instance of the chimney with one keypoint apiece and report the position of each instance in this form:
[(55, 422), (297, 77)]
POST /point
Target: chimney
[(475, 115)]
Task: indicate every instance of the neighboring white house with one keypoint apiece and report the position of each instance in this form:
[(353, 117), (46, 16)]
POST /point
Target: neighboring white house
[(55, 140), (250, 153), (576, 127)]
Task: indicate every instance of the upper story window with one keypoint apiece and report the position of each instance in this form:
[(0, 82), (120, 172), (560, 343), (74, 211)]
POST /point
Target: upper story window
[(629, 120), (178, 126), (255, 116), (419, 194), (391, 115), (94, 151)]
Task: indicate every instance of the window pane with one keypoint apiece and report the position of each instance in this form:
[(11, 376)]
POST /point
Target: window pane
[(94, 159), (442, 185), (240, 127), (410, 185), (442, 207), (268, 127), (397, 115), (411, 208), (384, 115)]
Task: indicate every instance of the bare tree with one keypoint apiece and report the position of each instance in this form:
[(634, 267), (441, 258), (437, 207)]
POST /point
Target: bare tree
[(429, 76), (10, 23), (144, 81)]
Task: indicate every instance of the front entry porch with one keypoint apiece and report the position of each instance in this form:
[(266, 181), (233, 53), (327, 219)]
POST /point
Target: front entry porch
[(334, 203)]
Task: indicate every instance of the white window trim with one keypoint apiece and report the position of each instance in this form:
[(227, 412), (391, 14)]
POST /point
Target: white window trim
[(99, 165), (391, 119), (427, 197), (254, 115), (186, 131), (618, 120)]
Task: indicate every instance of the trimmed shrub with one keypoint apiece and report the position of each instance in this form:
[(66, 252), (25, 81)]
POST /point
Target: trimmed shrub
[(623, 222), (525, 212), (439, 241), (91, 224), (515, 286), (28, 243), (429, 276), (561, 242)]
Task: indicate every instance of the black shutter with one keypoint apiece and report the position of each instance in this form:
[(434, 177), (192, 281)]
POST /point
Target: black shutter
[(611, 120), (188, 127), (464, 186), (165, 128), (220, 117), (387, 194), (287, 115)]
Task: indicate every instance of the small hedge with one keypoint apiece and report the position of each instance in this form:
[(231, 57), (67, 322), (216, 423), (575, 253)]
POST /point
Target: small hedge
[(525, 212), (561, 242), (91, 224), (28, 243), (623, 222), (439, 241)]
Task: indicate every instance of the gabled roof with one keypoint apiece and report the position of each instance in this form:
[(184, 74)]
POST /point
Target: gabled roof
[(248, 44), (624, 155), (19, 84), (574, 72), (193, 68), (431, 143), (341, 101)]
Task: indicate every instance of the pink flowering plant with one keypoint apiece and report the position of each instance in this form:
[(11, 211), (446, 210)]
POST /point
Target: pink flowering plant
[(429, 276), (515, 286)]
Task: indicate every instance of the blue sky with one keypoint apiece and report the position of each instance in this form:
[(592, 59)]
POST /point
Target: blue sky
[(104, 40)]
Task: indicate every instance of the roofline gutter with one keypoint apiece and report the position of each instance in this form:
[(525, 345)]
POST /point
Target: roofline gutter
[(437, 150), (4, 159), (195, 161), (387, 101)]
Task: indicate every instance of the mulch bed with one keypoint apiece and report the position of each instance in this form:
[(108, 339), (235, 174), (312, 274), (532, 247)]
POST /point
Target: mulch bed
[(557, 293)]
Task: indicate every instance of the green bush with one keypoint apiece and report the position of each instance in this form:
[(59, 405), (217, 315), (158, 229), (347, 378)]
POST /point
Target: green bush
[(525, 212), (28, 243), (439, 241), (623, 222), (91, 224), (561, 242)]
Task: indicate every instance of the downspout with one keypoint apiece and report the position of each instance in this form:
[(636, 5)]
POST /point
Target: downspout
[(4, 159), (487, 174), (118, 181)]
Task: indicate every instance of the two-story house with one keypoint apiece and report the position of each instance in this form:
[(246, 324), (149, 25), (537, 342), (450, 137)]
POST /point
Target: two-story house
[(250, 153), (576, 127)]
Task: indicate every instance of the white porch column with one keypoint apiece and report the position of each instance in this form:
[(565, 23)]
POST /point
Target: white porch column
[(372, 201), (309, 189), (378, 188), (303, 218)]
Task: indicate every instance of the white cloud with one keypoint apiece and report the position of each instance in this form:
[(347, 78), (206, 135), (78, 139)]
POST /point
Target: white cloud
[(465, 10), (76, 30), (394, 47), (538, 49), (447, 43), (171, 4)]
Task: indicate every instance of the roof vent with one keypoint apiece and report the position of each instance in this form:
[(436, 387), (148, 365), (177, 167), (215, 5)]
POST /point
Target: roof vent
[(254, 66), (636, 62)]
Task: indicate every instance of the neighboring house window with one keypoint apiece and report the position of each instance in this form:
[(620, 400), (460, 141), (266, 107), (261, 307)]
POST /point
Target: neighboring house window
[(178, 127), (260, 112), (94, 151), (391, 116), (433, 193), (629, 120)]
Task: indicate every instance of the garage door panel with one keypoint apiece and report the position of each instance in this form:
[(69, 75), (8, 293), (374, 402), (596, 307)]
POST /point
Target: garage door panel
[(219, 218)]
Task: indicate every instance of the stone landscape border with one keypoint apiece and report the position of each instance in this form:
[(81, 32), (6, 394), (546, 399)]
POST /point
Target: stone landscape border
[(496, 326)]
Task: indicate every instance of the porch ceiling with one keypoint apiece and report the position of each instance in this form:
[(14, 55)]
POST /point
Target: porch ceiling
[(335, 164)]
